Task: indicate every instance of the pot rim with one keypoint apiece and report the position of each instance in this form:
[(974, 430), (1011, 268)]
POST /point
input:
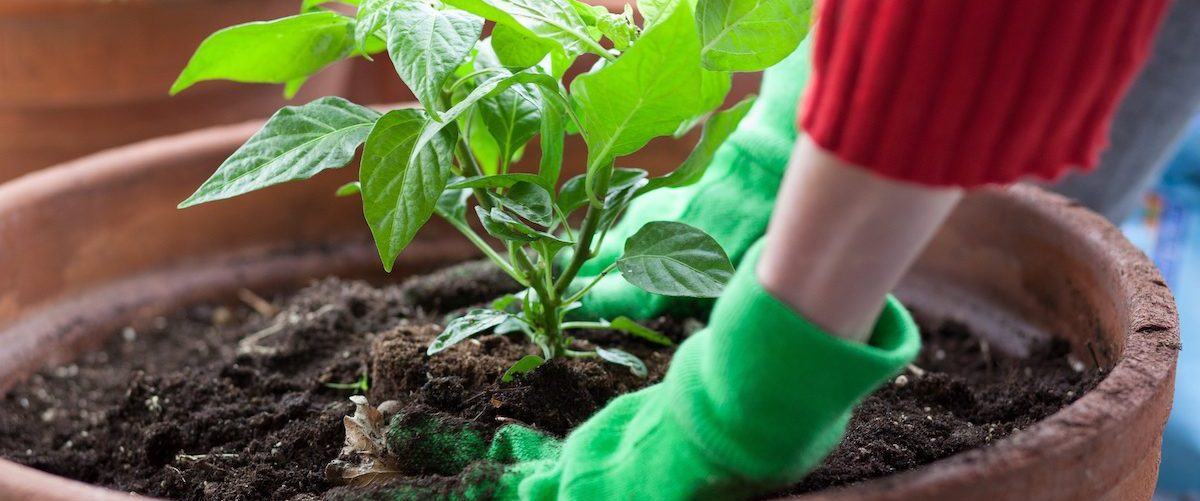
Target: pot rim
[(1143, 372)]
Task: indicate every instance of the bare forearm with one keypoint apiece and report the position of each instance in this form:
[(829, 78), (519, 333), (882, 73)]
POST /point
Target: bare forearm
[(841, 238)]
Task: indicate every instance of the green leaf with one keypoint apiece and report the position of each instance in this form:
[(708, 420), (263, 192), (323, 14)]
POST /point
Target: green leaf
[(626, 184), (619, 28), (374, 45), (675, 259), (648, 92), (402, 178), (503, 302), (351, 188), (292, 87), (750, 35), (278, 51), (513, 324), (370, 18), (573, 196), (686, 127), (427, 45), (295, 143), (548, 246), (554, 20), (553, 132), (496, 181), (716, 131), (483, 145), (515, 49), (523, 366), (462, 328), (529, 201), (452, 205), (626, 324), (512, 117), (505, 227), (654, 11), (489, 87), (620, 357), (587, 12)]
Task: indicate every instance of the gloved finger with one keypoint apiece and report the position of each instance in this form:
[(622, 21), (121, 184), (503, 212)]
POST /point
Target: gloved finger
[(514, 443), (433, 444)]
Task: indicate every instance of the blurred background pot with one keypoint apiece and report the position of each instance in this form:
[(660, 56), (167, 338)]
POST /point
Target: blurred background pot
[(79, 76), (96, 244)]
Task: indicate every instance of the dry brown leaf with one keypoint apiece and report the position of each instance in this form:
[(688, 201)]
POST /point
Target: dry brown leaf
[(363, 461)]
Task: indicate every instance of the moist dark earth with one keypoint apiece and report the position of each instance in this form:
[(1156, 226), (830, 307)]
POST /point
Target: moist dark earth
[(187, 408)]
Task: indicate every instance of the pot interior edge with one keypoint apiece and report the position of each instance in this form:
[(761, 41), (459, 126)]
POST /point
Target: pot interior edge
[(83, 322), (1004, 329), (59, 332)]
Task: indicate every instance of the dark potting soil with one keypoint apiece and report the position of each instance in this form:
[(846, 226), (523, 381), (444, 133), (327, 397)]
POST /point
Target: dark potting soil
[(233, 401)]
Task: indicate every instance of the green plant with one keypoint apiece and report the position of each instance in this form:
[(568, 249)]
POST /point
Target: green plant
[(359, 386), (482, 102)]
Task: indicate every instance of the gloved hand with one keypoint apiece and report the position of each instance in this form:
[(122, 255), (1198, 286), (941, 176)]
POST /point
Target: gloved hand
[(732, 202), (749, 404)]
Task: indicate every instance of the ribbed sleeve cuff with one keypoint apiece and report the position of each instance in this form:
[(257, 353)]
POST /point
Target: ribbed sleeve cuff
[(965, 93), (767, 393)]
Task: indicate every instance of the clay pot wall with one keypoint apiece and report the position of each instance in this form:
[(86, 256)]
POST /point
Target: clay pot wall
[(79, 76)]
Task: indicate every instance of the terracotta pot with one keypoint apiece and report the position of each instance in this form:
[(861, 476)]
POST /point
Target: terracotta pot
[(79, 76), (95, 244)]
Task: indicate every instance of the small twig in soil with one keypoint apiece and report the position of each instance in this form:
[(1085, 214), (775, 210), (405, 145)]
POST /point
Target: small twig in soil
[(249, 344), (916, 371), (1095, 359), (985, 350), (262, 306), (321, 311), (502, 419), (202, 457)]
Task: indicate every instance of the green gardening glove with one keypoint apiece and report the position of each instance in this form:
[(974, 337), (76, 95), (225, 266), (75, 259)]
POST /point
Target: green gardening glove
[(749, 404), (732, 202)]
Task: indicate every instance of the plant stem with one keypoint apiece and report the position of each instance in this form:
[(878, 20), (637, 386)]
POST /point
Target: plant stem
[(580, 354), (470, 76), (583, 249), (471, 167), (570, 110), (468, 162), (504, 161), (547, 297), (489, 252), (598, 49), (579, 295), (563, 218), (585, 325)]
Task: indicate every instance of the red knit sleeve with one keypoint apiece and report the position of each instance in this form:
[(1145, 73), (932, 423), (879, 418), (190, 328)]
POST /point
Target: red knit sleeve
[(971, 92)]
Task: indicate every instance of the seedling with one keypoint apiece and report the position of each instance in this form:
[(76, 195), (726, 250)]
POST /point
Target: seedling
[(483, 100), (359, 386)]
